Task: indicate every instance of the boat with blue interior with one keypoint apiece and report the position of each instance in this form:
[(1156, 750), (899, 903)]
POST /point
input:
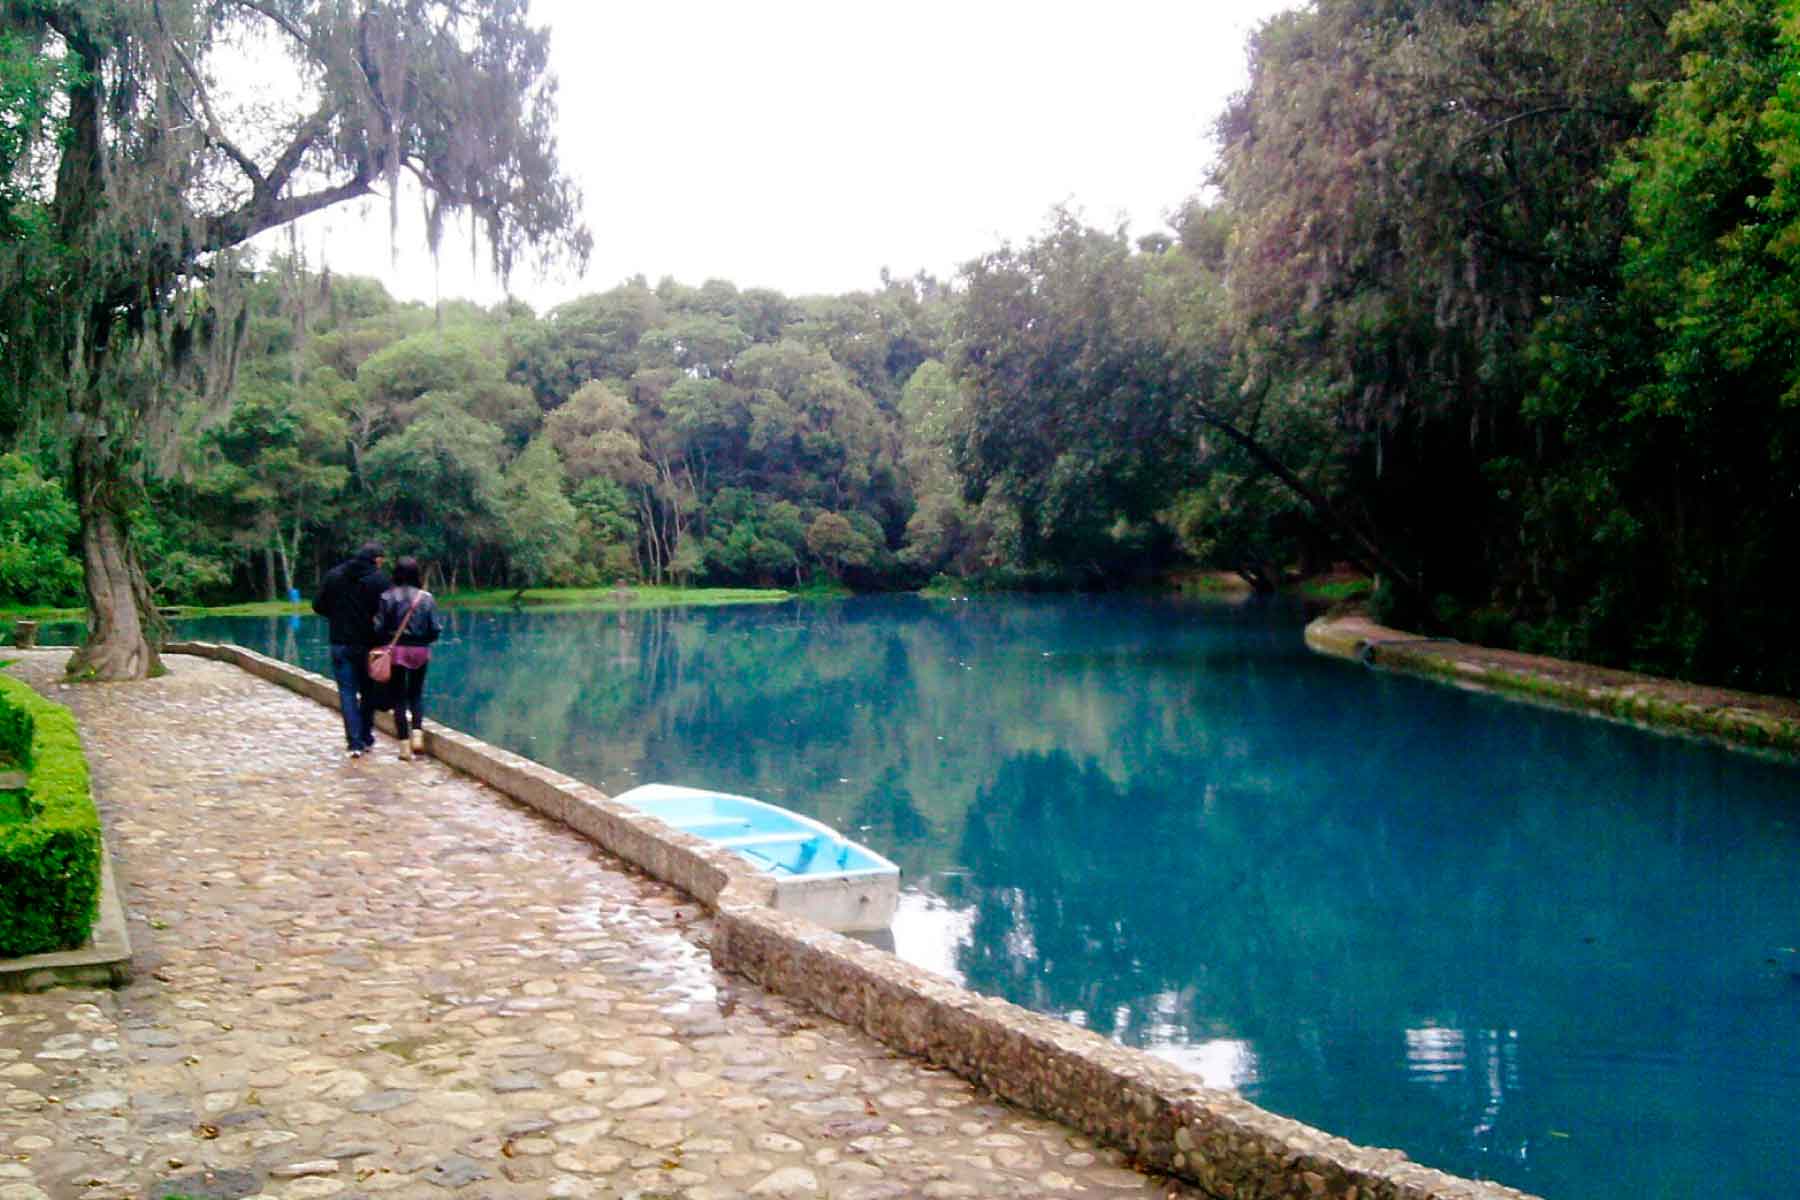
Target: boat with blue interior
[(818, 872)]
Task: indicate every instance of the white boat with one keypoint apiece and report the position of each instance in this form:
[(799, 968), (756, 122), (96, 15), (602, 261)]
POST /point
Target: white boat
[(819, 873)]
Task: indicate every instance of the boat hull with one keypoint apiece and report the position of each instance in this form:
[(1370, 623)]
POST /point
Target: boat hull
[(818, 873)]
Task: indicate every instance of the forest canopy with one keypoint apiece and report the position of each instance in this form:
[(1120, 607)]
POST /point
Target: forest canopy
[(1492, 300)]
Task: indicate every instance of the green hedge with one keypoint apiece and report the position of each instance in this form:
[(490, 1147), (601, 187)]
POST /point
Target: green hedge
[(49, 865), (15, 731)]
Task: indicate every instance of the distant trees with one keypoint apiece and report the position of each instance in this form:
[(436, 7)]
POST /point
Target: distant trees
[(1495, 299), (1081, 421), (640, 434), (1105, 414)]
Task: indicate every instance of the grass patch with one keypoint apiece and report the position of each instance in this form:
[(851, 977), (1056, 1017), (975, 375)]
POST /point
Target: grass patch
[(1336, 591), (611, 598), (559, 599), (1213, 583), (257, 608), (10, 613)]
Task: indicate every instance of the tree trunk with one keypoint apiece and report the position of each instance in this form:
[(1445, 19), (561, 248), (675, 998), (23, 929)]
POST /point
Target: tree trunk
[(649, 506), (285, 559), (122, 614)]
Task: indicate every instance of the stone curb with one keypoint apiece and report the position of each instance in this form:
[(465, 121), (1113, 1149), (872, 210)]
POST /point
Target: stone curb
[(1738, 720), (1166, 1119)]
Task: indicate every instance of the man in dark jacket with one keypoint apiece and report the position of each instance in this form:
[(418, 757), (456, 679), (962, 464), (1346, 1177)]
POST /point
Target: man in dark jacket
[(348, 598)]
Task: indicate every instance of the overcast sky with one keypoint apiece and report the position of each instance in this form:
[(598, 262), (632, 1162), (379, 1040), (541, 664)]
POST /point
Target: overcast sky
[(805, 145)]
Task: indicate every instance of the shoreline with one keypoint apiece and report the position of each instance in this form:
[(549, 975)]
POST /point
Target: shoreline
[(1740, 720)]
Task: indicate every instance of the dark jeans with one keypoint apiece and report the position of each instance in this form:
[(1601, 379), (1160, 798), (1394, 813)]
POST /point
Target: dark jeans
[(407, 692), (356, 694)]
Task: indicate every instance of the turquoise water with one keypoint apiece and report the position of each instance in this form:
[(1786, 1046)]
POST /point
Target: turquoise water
[(1518, 944)]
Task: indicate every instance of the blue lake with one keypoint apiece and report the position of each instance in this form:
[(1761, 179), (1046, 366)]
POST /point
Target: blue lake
[(1517, 944)]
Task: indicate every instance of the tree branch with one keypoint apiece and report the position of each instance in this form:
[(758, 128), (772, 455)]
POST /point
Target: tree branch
[(1357, 546), (1549, 110), (215, 132), (266, 211), (292, 30), (289, 161)]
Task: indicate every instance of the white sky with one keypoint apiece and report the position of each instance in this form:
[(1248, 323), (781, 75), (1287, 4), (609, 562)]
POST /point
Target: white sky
[(805, 144)]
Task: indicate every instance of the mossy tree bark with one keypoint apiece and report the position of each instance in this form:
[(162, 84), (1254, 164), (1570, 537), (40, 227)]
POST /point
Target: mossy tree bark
[(124, 630)]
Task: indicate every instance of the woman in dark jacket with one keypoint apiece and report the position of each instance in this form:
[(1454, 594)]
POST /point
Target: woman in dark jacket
[(412, 654)]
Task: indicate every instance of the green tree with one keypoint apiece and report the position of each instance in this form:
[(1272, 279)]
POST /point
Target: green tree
[(699, 344), (282, 466), (944, 533), (439, 480), (538, 523), (593, 434), (818, 437), (1410, 185), (1079, 407), (462, 364), (149, 178), (1662, 515), (606, 529), (594, 337), (37, 527), (837, 543)]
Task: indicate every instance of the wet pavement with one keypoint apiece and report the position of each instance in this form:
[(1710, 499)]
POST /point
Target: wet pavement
[(372, 977)]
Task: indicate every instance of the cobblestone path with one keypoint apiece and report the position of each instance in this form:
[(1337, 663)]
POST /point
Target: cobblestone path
[(382, 978)]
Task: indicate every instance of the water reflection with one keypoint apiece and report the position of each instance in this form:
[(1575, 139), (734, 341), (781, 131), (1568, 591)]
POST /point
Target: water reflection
[(930, 932), (1514, 943), (1435, 1054), (1227, 1063)]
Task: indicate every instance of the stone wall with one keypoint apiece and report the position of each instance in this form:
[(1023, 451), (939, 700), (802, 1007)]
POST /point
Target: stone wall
[(1740, 720), (1161, 1115)]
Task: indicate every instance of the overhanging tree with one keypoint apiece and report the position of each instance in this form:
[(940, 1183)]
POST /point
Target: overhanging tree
[(146, 172), (1098, 390), (1413, 186)]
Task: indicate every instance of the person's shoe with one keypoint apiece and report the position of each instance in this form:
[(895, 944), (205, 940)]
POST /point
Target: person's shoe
[(418, 741), (356, 752), (406, 752)]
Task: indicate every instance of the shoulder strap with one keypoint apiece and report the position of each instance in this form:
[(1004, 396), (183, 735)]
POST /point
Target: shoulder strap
[(418, 594)]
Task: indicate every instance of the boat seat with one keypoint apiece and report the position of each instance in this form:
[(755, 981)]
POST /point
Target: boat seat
[(706, 827)]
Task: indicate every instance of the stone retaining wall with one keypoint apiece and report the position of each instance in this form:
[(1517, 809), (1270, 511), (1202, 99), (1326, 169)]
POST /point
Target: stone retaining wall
[(1164, 1117), (1741, 720)]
